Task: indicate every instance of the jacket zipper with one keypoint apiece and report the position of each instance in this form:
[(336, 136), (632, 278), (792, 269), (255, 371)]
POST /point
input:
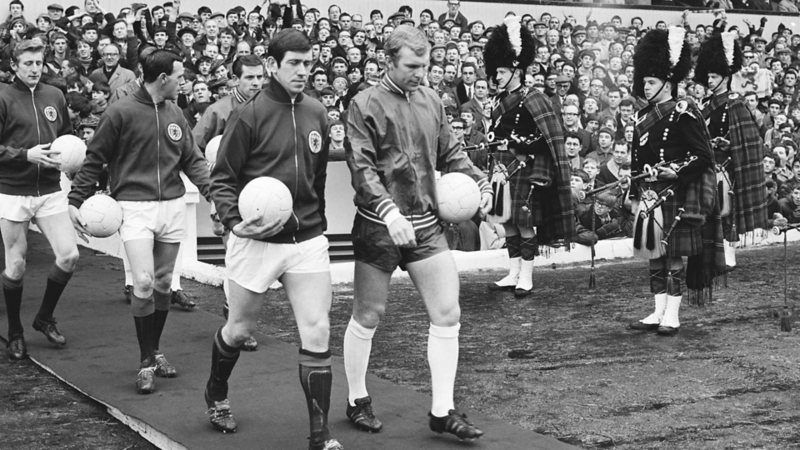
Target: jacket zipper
[(296, 172), (38, 142), (158, 152)]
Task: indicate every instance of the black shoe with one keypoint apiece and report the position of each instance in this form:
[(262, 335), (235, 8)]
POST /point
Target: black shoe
[(667, 331), (330, 444), (48, 328), (454, 423), (362, 416), (522, 292), (17, 349), (641, 326), (146, 380), (219, 414), (128, 292), (163, 368), (496, 287), (181, 299)]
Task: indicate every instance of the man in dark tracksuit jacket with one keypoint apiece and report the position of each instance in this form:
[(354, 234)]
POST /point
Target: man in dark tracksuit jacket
[(32, 116), (146, 143), (278, 133)]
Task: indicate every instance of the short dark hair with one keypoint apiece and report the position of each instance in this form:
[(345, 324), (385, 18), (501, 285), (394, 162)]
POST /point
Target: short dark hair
[(572, 135), (79, 104), (90, 26), (158, 62), (102, 86), (626, 102), (288, 40), (249, 61), (580, 173)]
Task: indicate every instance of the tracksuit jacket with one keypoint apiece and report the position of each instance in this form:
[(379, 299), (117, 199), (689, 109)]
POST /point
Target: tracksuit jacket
[(146, 146), (275, 136), (29, 118), (397, 141)]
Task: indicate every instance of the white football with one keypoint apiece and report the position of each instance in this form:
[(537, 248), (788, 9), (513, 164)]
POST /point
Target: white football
[(458, 197), (102, 214), (212, 148), (72, 152), (266, 197)]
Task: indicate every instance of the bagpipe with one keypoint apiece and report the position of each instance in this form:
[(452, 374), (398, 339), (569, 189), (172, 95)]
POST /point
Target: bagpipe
[(649, 236), (647, 173)]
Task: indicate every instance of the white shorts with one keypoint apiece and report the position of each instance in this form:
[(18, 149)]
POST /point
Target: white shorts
[(255, 265), (22, 208), (163, 221)]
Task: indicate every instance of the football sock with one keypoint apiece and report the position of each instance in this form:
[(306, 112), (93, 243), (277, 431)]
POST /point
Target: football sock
[(12, 290), (316, 379), (162, 302), (223, 360), (57, 280), (144, 334), (357, 348), (443, 361)]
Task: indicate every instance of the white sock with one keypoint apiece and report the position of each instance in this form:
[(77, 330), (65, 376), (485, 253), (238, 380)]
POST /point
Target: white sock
[(671, 312), (357, 347), (658, 314), (127, 265), (443, 361)]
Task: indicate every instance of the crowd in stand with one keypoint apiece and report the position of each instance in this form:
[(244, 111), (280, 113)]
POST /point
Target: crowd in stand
[(585, 67)]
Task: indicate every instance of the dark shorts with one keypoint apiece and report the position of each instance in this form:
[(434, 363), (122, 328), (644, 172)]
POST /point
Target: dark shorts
[(373, 245)]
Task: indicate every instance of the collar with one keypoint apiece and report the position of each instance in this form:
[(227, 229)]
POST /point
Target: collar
[(19, 84), (238, 95), (278, 93), (391, 86)]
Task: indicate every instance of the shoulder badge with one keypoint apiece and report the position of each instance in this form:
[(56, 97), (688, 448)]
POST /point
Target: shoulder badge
[(315, 141), (733, 96), (174, 132), (682, 106), (51, 114)]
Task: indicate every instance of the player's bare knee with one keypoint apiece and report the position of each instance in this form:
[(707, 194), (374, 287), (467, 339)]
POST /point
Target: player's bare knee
[(446, 315), (163, 282), (143, 281), (238, 330), (15, 268), (69, 260), (368, 315)]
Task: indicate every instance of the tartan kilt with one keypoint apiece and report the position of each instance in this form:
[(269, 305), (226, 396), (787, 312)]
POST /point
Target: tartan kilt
[(520, 186), (685, 240)]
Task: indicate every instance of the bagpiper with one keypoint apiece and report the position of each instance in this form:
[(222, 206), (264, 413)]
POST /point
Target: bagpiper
[(675, 203), (735, 140), (530, 175)]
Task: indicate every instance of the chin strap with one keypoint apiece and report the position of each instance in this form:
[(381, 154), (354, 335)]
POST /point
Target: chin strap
[(650, 100), (514, 73)]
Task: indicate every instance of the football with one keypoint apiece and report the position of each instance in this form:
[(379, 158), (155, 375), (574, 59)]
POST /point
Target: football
[(212, 148), (102, 215), (458, 197), (72, 151), (266, 197)]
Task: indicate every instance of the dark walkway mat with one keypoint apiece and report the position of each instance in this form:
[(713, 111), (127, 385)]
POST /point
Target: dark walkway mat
[(101, 356)]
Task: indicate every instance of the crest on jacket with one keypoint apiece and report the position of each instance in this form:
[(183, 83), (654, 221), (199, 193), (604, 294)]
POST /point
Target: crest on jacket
[(315, 141), (174, 132), (51, 114)]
